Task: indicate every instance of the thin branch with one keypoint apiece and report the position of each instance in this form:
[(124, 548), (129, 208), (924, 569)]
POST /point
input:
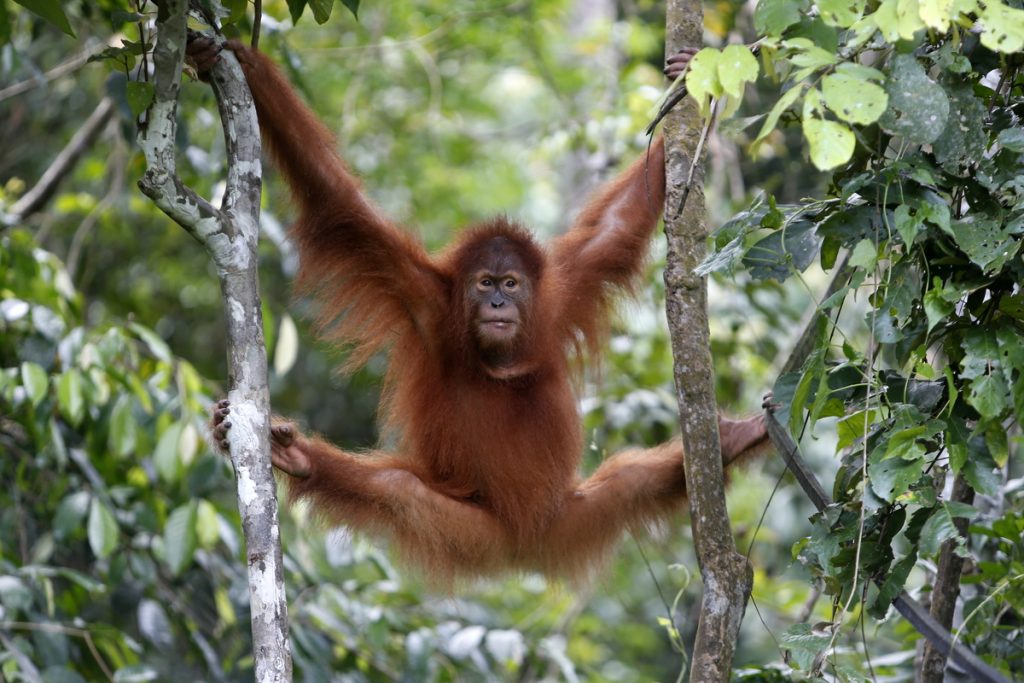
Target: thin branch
[(65, 162), (65, 630), (67, 66)]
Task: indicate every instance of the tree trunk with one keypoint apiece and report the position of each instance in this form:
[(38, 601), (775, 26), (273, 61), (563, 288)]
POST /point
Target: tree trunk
[(945, 589), (229, 235), (726, 574)]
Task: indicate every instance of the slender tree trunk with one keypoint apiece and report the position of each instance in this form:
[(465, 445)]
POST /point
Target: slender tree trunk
[(945, 589), (726, 574), (229, 235)]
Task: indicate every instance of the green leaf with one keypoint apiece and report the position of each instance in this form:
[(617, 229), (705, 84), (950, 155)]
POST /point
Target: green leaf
[(736, 67), (989, 395), (1003, 27), (904, 444), (207, 524), (918, 106), (140, 95), (864, 255), (772, 120), (1011, 139), (702, 78), (71, 397), (840, 13), (353, 7), (831, 143), (783, 252), (907, 225), (180, 538), (166, 457), (157, 346), (321, 10), (804, 644), (937, 303), (963, 140), (895, 580), (122, 435), (892, 478), (853, 99), (772, 17), (51, 11), (35, 381), (940, 526), (936, 14), (70, 514), (102, 529), (295, 9), (987, 242)]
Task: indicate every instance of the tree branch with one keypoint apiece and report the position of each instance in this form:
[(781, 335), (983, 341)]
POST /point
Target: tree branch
[(726, 574), (65, 162), (229, 235)]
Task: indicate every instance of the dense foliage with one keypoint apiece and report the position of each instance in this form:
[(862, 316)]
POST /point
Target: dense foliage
[(120, 551), (920, 365)]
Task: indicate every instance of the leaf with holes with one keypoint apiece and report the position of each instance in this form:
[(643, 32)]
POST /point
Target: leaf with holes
[(853, 99), (963, 140), (1003, 27), (987, 242), (918, 106)]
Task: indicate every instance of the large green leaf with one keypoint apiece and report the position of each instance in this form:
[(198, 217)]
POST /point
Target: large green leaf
[(180, 537), (831, 143), (772, 17), (962, 142), (51, 11), (854, 99), (918, 106)]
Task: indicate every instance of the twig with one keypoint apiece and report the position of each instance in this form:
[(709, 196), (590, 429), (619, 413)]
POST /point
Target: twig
[(65, 630)]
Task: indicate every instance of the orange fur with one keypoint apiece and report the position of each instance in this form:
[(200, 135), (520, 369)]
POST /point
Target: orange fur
[(484, 478)]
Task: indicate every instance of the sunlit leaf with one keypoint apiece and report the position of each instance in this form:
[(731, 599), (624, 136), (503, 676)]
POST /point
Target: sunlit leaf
[(840, 13), (207, 524), (702, 78), (736, 67), (121, 437), (71, 397), (831, 143), (853, 99), (35, 381), (1003, 27), (102, 529)]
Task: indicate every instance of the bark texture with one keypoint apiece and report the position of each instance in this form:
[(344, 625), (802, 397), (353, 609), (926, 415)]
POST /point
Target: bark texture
[(726, 574), (945, 589), (229, 234)]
